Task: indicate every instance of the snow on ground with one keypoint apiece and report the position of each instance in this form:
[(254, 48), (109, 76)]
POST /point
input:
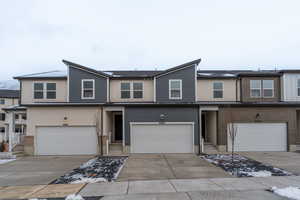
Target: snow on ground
[(289, 192), (74, 197), (3, 161), (99, 169), (243, 166)]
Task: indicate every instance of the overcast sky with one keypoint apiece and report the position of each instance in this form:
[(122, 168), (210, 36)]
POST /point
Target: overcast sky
[(135, 34)]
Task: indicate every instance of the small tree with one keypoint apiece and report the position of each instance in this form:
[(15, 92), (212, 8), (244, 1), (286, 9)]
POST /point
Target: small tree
[(98, 124), (232, 130)]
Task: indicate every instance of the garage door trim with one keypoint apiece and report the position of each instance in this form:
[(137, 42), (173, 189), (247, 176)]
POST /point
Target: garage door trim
[(164, 123), (36, 152)]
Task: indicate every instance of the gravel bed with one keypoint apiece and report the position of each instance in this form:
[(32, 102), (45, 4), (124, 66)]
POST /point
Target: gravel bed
[(243, 166), (99, 169)]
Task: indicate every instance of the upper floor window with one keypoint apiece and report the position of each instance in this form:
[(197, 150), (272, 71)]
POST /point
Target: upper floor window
[(298, 87), (218, 89), (2, 116), (38, 90), (2, 101), (44, 91), (125, 90), (24, 116), (2, 129), (51, 90), (137, 90), (175, 89), (255, 88), (268, 88), (88, 89)]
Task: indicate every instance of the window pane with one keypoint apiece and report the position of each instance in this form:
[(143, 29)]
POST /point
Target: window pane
[(88, 93), (38, 86), (2, 129), (137, 94), (51, 95), (255, 93), (125, 94), (218, 94), (268, 84), (298, 91), (268, 93), (137, 86), (51, 86), (175, 84), (255, 84), (38, 95), (218, 86), (175, 93), (125, 86), (298, 83), (2, 101), (88, 84), (2, 117)]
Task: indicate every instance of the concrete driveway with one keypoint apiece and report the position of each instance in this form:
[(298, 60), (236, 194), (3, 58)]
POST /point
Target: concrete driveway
[(289, 161), (168, 166), (38, 170)]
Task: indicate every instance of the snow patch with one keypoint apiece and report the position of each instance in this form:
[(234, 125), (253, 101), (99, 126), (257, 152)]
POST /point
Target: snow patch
[(74, 197), (263, 173), (289, 192), (89, 180), (6, 161)]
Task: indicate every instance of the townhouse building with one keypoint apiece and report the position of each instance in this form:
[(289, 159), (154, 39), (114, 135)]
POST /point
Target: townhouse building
[(178, 110)]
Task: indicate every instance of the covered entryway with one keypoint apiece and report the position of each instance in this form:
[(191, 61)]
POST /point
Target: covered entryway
[(162, 138), (259, 137), (81, 140)]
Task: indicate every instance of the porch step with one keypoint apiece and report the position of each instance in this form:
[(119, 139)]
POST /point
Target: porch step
[(19, 147), (18, 153), (115, 148), (210, 149)]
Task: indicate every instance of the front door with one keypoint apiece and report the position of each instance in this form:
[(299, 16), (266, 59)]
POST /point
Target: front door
[(118, 128)]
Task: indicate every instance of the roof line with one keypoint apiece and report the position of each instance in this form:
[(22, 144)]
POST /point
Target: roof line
[(78, 66), (24, 76), (188, 64)]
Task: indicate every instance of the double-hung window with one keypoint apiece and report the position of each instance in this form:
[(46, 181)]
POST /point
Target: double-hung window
[(125, 90), (38, 90), (268, 88), (51, 90), (175, 89), (2, 116), (255, 88), (298, 87), (137, 90), (87, 89), (218, 90)]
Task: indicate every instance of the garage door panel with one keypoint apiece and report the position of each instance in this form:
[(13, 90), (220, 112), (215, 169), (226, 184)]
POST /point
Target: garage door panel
[(260, 137), (162, 138), (66, 141)]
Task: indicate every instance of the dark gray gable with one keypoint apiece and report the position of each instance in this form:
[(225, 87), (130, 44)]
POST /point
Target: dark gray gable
[(76, 75), (188, 76)]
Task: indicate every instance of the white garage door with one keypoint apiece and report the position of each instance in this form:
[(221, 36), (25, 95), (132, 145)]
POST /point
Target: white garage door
[(260, 137), (162, 138), (66, 141)]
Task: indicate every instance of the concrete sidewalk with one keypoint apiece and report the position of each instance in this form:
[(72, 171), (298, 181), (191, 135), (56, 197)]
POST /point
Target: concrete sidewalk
[(216, 188)]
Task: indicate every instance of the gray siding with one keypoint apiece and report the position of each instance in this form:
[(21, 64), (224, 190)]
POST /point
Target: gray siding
[(75, 77), (151, 114), (187, 75)]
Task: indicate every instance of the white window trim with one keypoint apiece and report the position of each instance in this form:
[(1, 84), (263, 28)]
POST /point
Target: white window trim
[(218, 89), (263, 88), (82, 89), (38, 90), (260, 89), (137, 90), (170, 97), (46, 90), (130, 92)]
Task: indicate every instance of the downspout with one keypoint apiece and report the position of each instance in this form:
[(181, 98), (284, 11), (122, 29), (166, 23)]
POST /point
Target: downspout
[(200, 131), (241, 96)]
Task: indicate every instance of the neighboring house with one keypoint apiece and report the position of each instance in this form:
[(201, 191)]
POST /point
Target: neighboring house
[(8, 98), (178, 110)]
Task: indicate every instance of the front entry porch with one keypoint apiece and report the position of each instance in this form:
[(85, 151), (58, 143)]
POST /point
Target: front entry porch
[(114, 130)]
